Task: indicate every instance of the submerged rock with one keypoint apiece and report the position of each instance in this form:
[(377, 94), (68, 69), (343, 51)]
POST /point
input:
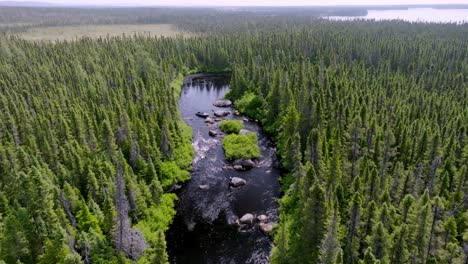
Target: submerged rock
[(233, 220), (247, 219), (202, 114), (262, 218), (222, 103), (209, 120), (266, 227), (221, 113), (227, 167), (236, 182)]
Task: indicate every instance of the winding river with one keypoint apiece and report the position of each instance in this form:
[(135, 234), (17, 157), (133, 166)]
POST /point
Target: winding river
[(204, 229)]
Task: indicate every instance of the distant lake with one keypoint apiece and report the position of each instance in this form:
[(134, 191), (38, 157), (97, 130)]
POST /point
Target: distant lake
[(414, 15)]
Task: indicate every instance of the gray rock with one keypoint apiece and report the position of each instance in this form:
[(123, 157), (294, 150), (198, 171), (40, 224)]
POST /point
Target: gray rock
[(246, 163), (262, 218), (227, 167), (209, 120), (222, 103), (204, 186), (238, 167), (221, 113), (212, 133), (247, 219), (266, 227), (202, 114), (236, 182)]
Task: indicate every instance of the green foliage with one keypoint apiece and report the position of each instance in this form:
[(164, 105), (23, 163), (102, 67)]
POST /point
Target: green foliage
[(241, 146), (250, 104), (231, 126)]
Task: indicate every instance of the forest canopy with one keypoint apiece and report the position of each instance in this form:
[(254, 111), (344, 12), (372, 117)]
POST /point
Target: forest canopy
[(370, 121)]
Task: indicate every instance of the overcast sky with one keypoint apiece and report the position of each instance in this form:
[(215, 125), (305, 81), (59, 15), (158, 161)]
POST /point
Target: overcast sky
[(244, 2)]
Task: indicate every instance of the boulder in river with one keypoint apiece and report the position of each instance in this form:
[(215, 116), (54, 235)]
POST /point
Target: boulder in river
[(221, 113), (235, 112), (266, 227), (262, 218), (222, 103), (247, 219), (238, 167), (202, 114), (204, 186), (212, 133), (236, 182), (245, 163), (209, 120)]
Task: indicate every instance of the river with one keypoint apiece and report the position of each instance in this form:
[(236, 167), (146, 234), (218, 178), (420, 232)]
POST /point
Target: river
[(203, 229), (414, 15)]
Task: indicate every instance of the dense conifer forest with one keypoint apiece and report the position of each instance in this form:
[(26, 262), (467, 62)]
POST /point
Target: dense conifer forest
[(370, 121)]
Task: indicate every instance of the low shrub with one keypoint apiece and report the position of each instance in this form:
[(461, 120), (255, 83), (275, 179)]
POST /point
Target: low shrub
[(231, 126), (241, 146)]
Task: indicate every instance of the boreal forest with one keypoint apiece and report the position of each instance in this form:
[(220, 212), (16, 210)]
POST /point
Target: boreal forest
[(369, 120)]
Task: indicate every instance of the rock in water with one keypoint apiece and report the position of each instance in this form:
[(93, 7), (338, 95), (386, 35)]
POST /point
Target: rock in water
[(247, 219), (221, 113), (212, 133), (222, 103), (238, 167), (236, 182), (245, 163), (262, 218), (202, 114), (209, 120), (266, 227), (204, 186)]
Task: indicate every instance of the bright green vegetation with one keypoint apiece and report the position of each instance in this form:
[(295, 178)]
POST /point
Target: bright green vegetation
[(370, 121), (249, 104), (231, 126), (241, 146)]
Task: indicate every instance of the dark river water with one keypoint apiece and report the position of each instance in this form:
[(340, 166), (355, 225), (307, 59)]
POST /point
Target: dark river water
[(201, 231)]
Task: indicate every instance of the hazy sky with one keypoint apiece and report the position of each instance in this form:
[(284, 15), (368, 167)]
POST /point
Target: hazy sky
[(246, 2)]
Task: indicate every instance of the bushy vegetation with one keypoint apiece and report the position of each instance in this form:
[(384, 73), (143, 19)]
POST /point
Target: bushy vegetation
[(249, 104), (241, 146), (231, 126)]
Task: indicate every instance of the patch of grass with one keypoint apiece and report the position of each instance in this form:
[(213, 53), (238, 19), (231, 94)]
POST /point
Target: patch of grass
[(241, 146), (96, 31), (231, 126)]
